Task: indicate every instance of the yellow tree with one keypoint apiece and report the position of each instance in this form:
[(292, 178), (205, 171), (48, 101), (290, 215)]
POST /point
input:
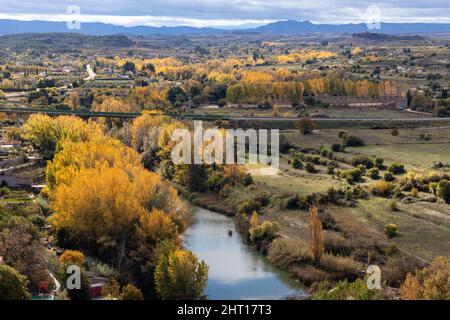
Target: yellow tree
[(316, 235)]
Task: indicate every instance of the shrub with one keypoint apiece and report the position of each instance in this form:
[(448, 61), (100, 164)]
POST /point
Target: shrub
[(382, 189), (388, 177), (373, 174), (297, 202), (364, 160), (336, 244), (267, 231), (344, 265), (354, 141), (357, 290), (414, 192), (130, 292), (309, 275), (411, 289), (431, 283), (248, 206), (379, 163), (397, 268), (330, 169), (391, 230), (286, 251), (342, 134), (396, 168), (296, 163), (395, 132), (393, 206), (309, 167), (354, 175), (336, 147), (443, 190)]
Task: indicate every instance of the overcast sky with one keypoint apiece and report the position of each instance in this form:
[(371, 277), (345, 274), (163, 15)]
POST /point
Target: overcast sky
[(229, 13)]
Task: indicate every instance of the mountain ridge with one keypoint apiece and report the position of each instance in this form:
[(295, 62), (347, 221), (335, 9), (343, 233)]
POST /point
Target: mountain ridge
[(287, 27)]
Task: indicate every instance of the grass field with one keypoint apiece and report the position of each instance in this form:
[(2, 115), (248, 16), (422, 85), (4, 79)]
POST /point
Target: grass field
[(415, 156)]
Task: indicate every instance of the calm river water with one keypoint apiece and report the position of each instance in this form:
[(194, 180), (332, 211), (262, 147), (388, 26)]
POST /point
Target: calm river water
[(235, 270)]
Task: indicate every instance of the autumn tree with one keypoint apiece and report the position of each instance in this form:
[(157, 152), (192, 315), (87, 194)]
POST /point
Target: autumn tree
[(316, 235), (46, 133), (106, 203), (180, 276), (430, 283), (305, 125), (130, 292), (72, 257), (73, 101), (75, 156), (411, 289)]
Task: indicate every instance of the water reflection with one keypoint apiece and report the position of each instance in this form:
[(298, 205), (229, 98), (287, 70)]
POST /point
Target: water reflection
[(235, 271)]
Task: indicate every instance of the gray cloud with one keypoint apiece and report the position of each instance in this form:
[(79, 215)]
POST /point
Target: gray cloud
[(231, 12)]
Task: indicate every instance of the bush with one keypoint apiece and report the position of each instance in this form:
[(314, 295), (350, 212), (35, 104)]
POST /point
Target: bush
[(431, 283), (382, 189), (342, 134), (364, 160), (391, 230), (396, 168), (336, 147), (397, 268), (297, 203), (354, 141), (388, 177), (354, 175), (284, 252), (296, 163), (309, 167), (249, 206), (357, 290), (379, 163), (308, 275), (267, 231), (373, 174), (130, 292), (395, 132), (330, 169), (344, 265), (393, 206), (443, 190)]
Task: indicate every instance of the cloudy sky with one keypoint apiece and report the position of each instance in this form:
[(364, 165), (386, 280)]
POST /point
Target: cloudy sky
[(227, 13)]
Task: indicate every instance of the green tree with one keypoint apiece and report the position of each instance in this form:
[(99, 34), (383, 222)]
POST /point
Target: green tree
[(180, 276), (305, 125), (13, 285), (443, 190)]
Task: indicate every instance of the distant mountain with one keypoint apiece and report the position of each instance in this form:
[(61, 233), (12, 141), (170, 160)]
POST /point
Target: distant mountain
[(289, 27), (15, 26)]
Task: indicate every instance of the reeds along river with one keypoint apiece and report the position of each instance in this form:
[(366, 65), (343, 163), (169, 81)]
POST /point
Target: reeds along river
[(235, 270)]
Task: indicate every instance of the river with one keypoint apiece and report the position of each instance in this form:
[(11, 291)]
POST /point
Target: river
[(235, 270)]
